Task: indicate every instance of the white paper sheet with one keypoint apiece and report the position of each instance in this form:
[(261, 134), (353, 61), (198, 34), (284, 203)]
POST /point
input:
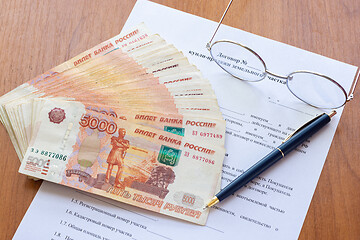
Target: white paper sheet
[(259, 115)]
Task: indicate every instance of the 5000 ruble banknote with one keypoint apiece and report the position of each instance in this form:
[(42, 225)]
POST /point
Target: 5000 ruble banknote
[(118, 159)]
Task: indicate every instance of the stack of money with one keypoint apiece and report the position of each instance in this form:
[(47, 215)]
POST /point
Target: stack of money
[(129, 119)]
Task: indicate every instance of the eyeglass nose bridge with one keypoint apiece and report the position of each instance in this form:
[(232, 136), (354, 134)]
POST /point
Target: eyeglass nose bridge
[(276, 75)]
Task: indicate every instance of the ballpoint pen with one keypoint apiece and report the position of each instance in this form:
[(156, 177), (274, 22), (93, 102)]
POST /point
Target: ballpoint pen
[(289, 144)]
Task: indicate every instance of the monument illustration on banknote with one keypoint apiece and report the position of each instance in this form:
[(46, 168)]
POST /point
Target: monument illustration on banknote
[(117, 155)]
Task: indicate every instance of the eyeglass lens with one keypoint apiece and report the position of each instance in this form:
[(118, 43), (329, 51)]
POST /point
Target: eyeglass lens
[(238, 61), (316, 90)]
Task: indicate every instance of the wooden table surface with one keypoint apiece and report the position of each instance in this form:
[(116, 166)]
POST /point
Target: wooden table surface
[(37, 35)]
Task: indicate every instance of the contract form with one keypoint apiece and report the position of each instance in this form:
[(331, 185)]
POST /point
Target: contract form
[(259, 117)]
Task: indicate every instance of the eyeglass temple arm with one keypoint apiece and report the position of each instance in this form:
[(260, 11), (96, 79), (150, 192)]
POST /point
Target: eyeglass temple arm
[(222, 18), (351, 95)]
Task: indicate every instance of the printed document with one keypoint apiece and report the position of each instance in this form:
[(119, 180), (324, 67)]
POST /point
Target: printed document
[(259, 116)]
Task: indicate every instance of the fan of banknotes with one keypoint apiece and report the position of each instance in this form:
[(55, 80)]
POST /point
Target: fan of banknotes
[(129, 119)]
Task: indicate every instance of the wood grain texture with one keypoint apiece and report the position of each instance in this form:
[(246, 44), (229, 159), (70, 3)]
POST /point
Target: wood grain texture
[(37, 35)]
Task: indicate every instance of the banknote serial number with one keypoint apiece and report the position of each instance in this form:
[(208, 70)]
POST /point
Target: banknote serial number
[(49, 154), (203, 159), (207, 134)]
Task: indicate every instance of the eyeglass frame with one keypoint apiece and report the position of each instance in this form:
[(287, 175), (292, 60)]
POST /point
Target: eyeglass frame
[(209, 46)]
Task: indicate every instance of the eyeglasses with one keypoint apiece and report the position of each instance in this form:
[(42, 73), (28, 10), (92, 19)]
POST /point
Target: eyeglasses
[(243, 63)]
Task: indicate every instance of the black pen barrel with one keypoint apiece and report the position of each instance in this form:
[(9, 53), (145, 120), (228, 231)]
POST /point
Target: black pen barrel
[(250, 174), (304, 134), (274, 156)]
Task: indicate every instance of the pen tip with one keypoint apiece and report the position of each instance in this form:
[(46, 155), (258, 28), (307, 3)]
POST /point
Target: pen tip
[(212, 202)]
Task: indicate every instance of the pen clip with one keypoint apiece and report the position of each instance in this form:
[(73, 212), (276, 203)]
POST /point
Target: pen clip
[(302, 127)]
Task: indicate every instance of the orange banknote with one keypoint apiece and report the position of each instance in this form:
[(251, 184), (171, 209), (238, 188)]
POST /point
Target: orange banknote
[(136, 164)]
